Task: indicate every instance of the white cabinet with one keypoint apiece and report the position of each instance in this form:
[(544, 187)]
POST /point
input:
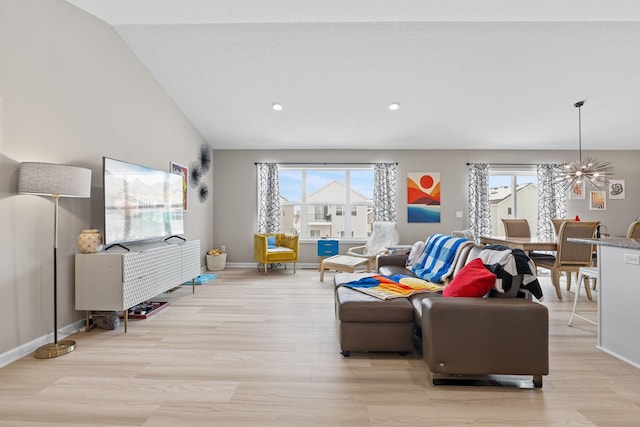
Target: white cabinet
[(619, 318), (116, 281)]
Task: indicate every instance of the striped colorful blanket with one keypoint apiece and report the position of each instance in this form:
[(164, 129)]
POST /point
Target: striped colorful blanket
[(439, 257), (388, 287)]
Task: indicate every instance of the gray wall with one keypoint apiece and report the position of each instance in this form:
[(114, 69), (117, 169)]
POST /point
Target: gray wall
[(234, 216), (71, 92)]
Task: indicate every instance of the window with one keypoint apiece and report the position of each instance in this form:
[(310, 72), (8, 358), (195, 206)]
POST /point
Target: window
[(314, 201), (513, 193)]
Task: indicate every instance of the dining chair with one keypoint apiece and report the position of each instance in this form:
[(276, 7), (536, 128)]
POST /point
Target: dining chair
[(516, 227), (633, 232), (557, 222), (519, 227), (570, 256)]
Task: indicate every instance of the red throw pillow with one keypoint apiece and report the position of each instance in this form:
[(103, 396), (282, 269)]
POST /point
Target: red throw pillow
[(473, 280)]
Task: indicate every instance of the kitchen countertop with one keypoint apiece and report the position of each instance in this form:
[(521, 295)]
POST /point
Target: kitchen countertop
[(616, 242)]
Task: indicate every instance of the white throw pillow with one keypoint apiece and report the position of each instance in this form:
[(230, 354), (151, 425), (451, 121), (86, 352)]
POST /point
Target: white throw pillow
[(416, 252)]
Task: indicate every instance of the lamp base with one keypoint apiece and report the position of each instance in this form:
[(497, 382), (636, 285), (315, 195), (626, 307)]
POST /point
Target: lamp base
[(49, 351)]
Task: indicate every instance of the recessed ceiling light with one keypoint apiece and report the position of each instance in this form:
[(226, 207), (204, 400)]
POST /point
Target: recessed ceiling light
[(276, 106), (394, 106)]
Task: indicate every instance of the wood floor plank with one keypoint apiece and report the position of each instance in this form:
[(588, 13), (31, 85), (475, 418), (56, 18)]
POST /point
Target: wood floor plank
[(254, 350)]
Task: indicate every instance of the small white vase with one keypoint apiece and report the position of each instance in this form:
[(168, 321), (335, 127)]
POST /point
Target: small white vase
[(89, 241)]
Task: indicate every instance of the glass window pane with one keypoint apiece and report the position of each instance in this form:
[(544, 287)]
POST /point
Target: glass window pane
[(507, 202), (323, 219), (500, 201), (527, 200), (362, 183), (290, 183), (290, 218), (361, 221), (326, 186), (315, 202)]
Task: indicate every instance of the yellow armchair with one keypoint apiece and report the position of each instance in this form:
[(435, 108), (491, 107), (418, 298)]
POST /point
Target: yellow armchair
[(284, 251)]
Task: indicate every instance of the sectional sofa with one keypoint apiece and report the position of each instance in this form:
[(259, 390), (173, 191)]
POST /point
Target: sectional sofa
[(461, 338)]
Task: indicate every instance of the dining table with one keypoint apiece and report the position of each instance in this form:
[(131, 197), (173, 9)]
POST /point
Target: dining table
[(527, 244)]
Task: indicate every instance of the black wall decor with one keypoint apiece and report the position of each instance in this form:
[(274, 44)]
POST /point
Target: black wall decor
[(198, 169)]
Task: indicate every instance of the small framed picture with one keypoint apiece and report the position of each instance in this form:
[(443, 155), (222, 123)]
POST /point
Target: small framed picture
[(181, 170), (616, 189), (598, 201), (576, 191)]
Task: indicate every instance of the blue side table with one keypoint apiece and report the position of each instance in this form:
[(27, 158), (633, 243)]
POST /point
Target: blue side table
[(327, 248)]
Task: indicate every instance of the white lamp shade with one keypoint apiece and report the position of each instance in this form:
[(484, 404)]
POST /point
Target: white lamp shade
[(48, 179)]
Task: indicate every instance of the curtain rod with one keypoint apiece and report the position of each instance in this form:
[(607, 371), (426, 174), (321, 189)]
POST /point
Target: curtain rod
[(326, 163)]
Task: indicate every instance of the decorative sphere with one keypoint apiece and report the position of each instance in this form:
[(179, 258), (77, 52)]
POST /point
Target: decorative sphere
[(90, 241)]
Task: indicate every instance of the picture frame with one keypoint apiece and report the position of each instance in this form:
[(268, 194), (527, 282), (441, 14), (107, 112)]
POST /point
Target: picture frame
[(423, 197), (577, 191), (598, 201), (617, 189), (178, 169)]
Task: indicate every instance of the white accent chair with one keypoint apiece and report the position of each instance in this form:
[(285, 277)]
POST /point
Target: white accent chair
[(384, 234)]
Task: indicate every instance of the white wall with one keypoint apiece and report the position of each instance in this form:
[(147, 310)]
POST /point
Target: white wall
[(71, 92), (234, 218)]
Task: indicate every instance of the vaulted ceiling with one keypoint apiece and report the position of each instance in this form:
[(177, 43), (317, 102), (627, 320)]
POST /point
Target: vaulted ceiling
[(466, 74)]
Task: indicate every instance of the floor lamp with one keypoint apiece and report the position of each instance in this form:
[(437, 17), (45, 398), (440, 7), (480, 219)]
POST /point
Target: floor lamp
[(53, 180)]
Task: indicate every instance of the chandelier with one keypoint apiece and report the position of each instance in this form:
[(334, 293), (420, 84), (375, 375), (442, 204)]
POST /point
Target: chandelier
[(587, 170)]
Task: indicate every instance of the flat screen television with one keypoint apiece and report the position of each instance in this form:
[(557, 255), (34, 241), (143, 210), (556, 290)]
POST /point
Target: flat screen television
[(140, 203)]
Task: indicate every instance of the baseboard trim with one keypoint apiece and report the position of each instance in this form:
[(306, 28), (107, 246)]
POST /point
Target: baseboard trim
[(303, 265), (23, 350)]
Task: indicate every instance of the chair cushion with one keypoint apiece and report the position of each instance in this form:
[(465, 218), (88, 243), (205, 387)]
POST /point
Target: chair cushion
[(271, 242), (474, 280), (280, 254), (547, 262), (355, 306)]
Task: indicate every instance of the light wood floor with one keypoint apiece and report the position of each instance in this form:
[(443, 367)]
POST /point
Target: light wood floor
[(250, 350)]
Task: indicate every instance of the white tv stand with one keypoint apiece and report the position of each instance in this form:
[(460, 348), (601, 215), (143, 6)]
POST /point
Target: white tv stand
[(118, 280)]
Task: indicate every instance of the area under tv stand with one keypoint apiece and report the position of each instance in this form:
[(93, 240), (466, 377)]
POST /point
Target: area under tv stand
[(118, 281)]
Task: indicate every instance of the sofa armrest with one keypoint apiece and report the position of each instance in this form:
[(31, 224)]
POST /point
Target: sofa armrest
[(485, 336), (260, 247)]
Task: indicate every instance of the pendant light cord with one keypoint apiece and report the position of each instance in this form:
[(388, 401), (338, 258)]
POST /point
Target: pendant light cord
[(579, 105)]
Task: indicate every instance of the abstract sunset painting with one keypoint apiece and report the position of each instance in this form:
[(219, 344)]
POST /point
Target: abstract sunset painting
[(423, 197)]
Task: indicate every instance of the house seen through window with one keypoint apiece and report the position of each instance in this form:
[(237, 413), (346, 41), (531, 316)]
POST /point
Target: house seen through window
[(513, 194), (314, 201)]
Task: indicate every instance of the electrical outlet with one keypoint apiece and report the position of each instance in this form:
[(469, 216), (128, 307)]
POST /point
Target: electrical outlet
[(458, 214), (632, 259)]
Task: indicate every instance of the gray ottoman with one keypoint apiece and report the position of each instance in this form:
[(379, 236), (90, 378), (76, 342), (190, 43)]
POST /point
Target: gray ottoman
[(366, 323)]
